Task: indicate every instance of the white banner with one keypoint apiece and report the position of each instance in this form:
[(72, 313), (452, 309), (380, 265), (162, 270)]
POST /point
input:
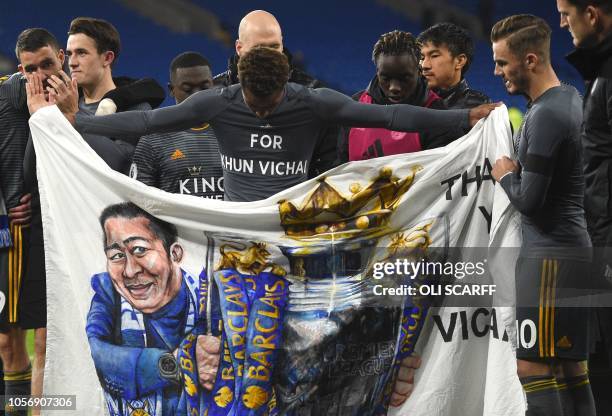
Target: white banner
[(124, 298)]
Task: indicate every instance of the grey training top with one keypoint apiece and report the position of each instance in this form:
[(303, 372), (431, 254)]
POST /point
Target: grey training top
[(549, 190), (184, 162), (14, 132), (261, 157)]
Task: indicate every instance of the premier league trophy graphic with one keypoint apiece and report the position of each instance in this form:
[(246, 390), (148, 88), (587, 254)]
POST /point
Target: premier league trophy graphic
[(341, 343), (303, 332)]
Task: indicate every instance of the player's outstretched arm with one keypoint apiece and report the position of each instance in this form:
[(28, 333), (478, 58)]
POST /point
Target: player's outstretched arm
[(199, 108), (337, 108)]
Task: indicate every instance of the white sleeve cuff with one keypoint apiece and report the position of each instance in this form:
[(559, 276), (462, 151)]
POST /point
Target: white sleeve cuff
[(504, 175)]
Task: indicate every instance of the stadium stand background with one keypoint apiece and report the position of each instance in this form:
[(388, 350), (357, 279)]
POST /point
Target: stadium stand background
[(332, 39)]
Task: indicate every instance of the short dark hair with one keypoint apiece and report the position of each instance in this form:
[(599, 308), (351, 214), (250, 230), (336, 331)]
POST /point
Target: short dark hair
[(605, 5), (165, 231), (263, 71), (102, 32), (188, 60), (31, 40), (524, 33), (453, 37), (397, 43)]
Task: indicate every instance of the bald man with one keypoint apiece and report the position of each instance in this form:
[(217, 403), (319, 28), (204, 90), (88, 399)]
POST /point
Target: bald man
[(260, 28)]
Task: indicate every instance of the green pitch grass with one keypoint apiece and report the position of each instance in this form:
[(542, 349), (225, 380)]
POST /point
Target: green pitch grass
[(30, 347), (30, 343)]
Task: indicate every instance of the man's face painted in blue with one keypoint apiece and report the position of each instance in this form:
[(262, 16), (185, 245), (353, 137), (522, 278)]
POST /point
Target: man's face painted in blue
[(141, 269)]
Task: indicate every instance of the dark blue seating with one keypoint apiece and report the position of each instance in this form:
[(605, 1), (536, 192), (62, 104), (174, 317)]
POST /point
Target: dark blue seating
[(334, 39)]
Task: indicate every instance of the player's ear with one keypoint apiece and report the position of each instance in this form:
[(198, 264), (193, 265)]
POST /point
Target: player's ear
[(460, 61), (176, 252), (109, 58), (171, 89), (238, 46), (592, 13), (531, 60)]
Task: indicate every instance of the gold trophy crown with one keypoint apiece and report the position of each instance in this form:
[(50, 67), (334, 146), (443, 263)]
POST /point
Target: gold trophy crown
[(325, 213)]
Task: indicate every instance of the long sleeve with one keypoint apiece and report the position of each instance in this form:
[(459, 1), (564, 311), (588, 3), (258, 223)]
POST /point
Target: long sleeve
[(543, 133), (343, 144), (336, 108), (199, 108), (325, 156), (526, 191), (14, 134), (124, 370)]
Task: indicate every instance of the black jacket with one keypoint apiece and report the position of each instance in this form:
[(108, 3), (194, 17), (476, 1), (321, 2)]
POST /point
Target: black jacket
[(430, 139), (461, 96), (131, 91), (230, 76), (595, 66)]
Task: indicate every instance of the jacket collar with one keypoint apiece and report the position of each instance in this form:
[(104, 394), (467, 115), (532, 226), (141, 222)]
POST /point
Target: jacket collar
[(232, 65), (457, 88), (418, 97), (588, 61)]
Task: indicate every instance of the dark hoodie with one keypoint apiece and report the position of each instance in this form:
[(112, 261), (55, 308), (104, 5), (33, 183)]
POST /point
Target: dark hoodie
[(421, 96)]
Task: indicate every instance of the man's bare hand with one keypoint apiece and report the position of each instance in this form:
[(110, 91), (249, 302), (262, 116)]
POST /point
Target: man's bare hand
[(22, 213), (502, 166), (405, 380), (65, 93), (481, 111), (35, 93), (207, 359)]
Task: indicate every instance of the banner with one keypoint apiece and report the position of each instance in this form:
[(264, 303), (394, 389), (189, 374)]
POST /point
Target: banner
[(308, 290)]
